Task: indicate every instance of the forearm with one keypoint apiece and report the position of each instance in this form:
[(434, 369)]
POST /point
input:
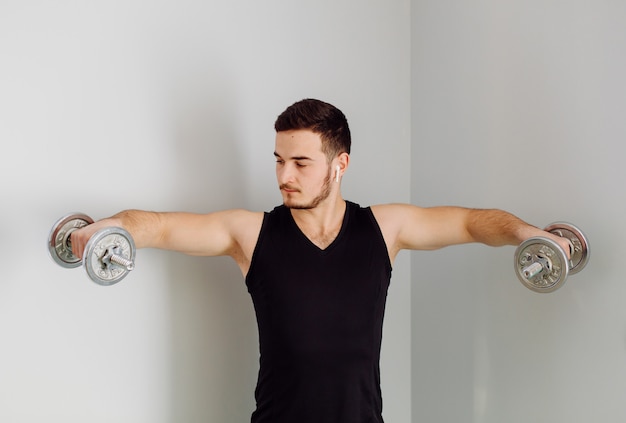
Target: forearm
[(496, 227), (144, 226)]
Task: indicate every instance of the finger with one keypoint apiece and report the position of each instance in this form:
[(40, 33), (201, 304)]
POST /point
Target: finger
[(77, 244)]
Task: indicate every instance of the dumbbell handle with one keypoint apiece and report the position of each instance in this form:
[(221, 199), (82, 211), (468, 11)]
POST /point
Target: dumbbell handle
[(121, 261), (535, 268)]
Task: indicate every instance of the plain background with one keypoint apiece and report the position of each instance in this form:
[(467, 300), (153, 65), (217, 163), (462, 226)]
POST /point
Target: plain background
[(170, 105), (520, 105), (163, 105)]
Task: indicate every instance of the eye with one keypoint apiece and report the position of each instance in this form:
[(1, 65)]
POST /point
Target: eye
[(280, 162)]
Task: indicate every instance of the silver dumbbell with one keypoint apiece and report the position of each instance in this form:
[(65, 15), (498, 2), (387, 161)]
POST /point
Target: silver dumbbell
[(109, 254), (542, 265)]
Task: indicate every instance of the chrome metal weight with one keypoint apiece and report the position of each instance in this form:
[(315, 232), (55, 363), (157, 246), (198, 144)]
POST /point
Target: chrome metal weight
[(579, 255), (542, 265), (109, 254), (59, 244)]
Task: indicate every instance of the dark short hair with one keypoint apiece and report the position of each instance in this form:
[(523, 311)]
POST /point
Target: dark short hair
[(321, 118)]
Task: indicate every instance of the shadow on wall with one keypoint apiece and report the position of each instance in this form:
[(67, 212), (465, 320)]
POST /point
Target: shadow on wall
[(213, 341), (214, 346)]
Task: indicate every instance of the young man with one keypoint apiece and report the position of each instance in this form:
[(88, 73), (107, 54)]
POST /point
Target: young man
[(317, 268)]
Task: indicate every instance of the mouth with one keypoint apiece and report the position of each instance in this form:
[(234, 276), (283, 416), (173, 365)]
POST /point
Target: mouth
[(288, 189)]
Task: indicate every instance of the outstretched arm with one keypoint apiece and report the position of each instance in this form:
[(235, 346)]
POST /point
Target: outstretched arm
[(230, 232), (415, 228)]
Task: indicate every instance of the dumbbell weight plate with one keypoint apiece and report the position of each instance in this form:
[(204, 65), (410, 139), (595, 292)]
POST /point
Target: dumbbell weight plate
[(58, 239), (103, 243), (537, 250), (580, 255)]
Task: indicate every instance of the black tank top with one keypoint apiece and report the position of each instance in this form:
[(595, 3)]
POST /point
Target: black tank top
[(320, 317)]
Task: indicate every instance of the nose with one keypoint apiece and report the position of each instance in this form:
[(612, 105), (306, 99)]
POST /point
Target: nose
[(284, 173)]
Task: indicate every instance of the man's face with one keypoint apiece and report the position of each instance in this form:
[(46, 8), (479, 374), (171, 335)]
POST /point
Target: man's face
[(302, 169)]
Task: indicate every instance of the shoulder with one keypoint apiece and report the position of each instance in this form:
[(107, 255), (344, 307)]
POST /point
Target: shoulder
[(243, 221), (403, 225), (244, 227), (391, 219), (227, 226), (394, 213)]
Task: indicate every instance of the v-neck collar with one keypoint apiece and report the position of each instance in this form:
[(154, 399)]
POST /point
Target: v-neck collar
[(344, 225)]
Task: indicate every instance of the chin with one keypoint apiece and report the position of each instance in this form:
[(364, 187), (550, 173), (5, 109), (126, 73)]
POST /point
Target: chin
[(297, 206)]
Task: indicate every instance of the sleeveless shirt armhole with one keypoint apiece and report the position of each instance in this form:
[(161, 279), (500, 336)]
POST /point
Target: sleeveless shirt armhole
[(380, 236), (259, 241)]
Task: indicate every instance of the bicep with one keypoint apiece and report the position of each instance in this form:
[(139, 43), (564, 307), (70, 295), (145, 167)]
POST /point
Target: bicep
[(416, 228), (213, 234)]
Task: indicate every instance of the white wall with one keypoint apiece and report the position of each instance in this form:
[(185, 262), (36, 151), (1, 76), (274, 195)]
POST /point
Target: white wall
[(520, 105), (107, 105)]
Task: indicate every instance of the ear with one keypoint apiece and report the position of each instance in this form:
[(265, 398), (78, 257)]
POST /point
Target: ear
[(341, 164), (343, 161)]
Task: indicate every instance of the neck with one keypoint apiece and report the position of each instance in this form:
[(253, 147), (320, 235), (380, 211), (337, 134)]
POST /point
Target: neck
[(322, 223), (330, 209)]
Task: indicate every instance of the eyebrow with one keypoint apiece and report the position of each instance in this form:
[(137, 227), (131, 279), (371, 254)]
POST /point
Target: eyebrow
[(294, 157)]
